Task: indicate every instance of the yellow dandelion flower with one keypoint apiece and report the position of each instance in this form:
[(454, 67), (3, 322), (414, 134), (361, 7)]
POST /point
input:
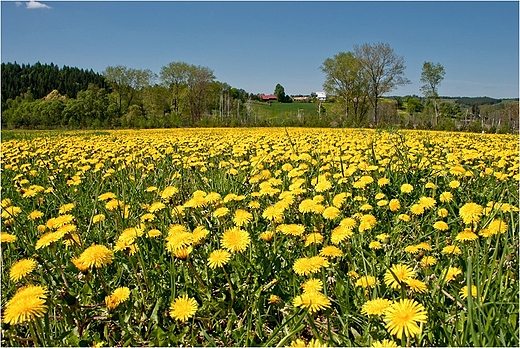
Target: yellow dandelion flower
[(147, 217), (220, 212), (182, 253), (383, 237), (274, 299), (183, 308), (339, 234), (98, 218), (331, 213), (446, 197), (314, 301), (254, 205), (376, 306), (416, 209), (382, 203), (339, 199), (454, 184), (365, 207), (470, 212), (402, 317), (323, 186), (169, 192), (398, 273), (312, 284), (106, 196), (307, 206), (441, 226), (66, 208), (305, 266), (451, 249), (367, 222), (366, 281), (36, 214), (117, 297), (386, 343), (442, 212), (218, 258), (267, 235), (21, 268), (156, 206), (427, 202), (273, 213), (47, 239), (27, 304), (406, 188), (375, 245), (353, 274), (467, 235), (497, 226), (7, 237), (235, 240), (242, 217), (416, 285), (404, 217), (464, 292), (291, 229), (424, 246), (313, 238), (331, 251), (430, 185), (154, 233), (298, 343), (95, 256), (394, 204), (379, 196), (213, 197), (198, 234), (427, 261), (151, 189), (10, 212), (451, 273), (412, 249), (382, 182), (349, 223)]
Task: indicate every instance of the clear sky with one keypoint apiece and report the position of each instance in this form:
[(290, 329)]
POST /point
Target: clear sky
[(256, 45)]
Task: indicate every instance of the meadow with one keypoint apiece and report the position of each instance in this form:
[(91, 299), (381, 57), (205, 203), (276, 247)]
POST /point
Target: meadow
[(259, 237)]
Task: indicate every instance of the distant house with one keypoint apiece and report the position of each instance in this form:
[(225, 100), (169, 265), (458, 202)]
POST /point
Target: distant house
[(267, 97), (321, 96), (300, 98)]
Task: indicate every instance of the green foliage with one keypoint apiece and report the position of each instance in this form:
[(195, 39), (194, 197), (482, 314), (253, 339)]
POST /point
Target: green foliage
[(41, 79), (279, 92)]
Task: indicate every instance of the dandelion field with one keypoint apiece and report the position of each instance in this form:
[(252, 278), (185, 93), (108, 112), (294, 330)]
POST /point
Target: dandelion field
[(260, 237)]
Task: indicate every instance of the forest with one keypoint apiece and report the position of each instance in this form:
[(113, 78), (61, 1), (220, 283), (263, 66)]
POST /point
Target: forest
[(45, 96)]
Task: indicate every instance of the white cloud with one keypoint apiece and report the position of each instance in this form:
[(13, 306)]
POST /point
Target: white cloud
[(18, 3), (33, 5)]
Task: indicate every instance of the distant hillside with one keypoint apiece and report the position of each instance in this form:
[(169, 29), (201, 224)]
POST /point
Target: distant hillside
[(41, 79)]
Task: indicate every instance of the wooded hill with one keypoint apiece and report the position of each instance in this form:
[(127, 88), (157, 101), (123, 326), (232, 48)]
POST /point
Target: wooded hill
[(41, 79), (47, 96)]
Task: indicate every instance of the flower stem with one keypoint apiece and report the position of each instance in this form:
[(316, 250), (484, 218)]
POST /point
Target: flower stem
[(231, 291)]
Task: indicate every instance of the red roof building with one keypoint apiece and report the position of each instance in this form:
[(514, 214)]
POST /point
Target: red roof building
[(267, 97)]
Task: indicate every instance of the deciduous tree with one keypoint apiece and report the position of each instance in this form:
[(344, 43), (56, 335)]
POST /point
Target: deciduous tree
[(345, 81), (382, 69), (431, 76)]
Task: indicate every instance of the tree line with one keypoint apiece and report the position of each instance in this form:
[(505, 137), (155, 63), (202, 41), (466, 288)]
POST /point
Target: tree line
[(183, 94)]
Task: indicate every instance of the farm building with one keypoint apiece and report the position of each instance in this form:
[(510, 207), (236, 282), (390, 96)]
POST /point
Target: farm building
[(321, 96), (267, 97)]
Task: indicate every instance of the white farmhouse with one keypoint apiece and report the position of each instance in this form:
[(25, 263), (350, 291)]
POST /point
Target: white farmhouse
[(321, 96)]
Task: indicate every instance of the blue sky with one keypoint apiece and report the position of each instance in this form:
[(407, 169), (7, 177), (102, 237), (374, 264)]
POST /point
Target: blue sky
[(256, 45)]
